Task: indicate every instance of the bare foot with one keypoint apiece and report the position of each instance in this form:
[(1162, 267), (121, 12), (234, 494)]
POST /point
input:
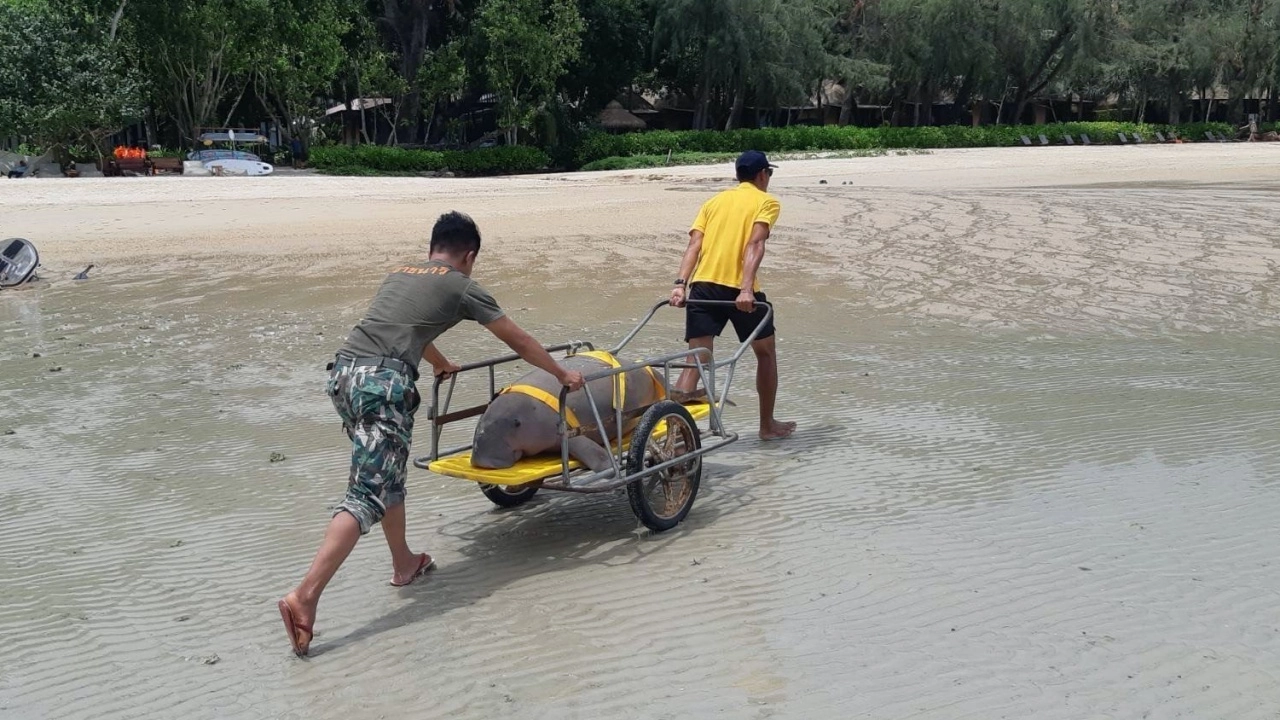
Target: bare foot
[(298, 621), (777, 430)]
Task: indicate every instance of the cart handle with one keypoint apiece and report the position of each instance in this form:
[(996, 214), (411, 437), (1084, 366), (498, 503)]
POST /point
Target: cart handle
[(515, 356), (742, 348)]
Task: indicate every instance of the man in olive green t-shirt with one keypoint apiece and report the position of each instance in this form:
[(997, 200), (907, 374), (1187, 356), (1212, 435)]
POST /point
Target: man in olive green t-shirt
[(372, 386)]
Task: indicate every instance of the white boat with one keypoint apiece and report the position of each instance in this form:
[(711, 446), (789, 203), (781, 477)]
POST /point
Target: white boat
[(221, 154), (233, 166), (230, 160), (18, 261)]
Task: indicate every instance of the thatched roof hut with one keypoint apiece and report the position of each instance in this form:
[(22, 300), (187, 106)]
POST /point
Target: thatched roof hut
[(618, 119)]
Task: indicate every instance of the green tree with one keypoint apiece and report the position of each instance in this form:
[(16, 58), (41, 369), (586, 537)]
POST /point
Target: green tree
[(735, 50), (615, 48), (298, 55), (857, 33), (528, 45), (1248, 49), (63, 79), (930, 46), (199, 54), (694, 39), (412, 31), (781, 53), (1038, 42)]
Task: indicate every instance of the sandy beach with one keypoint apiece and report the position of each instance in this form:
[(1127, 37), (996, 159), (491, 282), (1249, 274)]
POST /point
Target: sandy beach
[(1035, 474)]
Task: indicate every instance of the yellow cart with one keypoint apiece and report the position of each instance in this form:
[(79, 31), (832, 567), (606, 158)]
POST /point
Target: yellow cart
[(659, 462)]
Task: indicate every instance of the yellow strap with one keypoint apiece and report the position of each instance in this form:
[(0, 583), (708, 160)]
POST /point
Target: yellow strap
[(602, 356), (553, 402), (547, 399), (612, 361), (659, 390), (619, 400)]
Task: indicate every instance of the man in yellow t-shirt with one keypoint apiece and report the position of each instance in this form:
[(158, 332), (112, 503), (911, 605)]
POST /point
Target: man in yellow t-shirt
[(726, 245)]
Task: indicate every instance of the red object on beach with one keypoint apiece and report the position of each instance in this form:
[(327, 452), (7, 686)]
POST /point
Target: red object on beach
[(123, 152)]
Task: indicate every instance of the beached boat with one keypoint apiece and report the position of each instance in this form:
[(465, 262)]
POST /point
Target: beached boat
[(221, 145), (221, 154), (239, 167), (18, 261)]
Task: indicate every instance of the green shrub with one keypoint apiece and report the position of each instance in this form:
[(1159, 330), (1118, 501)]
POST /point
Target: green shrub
[(598, 146), (503, 160), (378, 159), (635, 162)]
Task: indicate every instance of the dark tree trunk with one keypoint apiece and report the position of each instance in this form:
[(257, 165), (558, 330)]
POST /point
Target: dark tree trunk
[(964, 96), (410, 26), (1020, 107), (739, 104), (848, 106)]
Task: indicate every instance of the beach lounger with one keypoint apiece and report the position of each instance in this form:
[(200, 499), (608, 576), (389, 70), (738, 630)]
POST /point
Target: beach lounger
[(1124, 139), (1067, 139), (1160, 137), (1043, 140), (1137, 139), (1026, 141)]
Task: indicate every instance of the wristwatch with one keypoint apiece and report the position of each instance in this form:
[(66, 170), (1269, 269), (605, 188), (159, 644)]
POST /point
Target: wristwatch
[(679, 281)]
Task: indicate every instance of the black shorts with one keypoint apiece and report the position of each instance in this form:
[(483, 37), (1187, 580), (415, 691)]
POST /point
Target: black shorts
[(709, 320)]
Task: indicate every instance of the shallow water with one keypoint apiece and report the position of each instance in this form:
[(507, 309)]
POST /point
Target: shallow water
[(969, 523)]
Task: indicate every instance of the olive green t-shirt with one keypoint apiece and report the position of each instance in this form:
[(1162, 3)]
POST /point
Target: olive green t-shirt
[(415, 305)]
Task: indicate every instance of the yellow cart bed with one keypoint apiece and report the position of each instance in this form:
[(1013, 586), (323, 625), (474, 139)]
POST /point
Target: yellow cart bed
[(659, 462)]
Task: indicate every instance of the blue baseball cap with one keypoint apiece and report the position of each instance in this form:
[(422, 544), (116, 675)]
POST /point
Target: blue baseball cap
[(752, 162)]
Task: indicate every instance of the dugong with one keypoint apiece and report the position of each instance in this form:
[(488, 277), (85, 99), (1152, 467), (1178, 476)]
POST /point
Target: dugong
[(522, 420)]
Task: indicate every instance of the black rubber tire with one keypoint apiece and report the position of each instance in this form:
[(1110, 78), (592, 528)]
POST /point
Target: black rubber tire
[(503, 496), (641, 457)]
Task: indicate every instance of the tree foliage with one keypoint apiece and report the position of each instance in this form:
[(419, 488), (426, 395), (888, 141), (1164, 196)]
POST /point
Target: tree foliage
[(75, 69), (63, 79), (298, 54), (528, 45)]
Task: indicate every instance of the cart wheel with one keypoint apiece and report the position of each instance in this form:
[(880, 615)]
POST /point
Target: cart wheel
[(663, 499), (509, 496)]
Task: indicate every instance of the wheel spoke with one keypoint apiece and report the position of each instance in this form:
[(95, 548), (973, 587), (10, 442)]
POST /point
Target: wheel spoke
[(670, 440), (654, 449)]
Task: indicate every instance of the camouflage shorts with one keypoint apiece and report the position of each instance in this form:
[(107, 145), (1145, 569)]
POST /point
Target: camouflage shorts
[(377, 407)]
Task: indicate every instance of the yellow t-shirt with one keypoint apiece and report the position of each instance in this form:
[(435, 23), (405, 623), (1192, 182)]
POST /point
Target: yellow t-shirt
[(726, 221)]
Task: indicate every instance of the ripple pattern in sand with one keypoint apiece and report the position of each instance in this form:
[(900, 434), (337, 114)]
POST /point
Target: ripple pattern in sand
[(968, 525)]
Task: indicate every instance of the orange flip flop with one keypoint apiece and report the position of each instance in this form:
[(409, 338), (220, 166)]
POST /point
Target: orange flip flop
[(292, 627), (425, 563)]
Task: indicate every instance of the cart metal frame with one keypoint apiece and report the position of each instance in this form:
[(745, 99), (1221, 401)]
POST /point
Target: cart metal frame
[(582, 480)]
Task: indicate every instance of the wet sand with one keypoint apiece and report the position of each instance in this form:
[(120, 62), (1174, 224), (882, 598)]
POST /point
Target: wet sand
[(1035, 473)]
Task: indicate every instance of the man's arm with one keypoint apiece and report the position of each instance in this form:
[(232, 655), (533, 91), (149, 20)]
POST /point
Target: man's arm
[(505, 329), (439, 364), (751, 265), (690, 260)]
